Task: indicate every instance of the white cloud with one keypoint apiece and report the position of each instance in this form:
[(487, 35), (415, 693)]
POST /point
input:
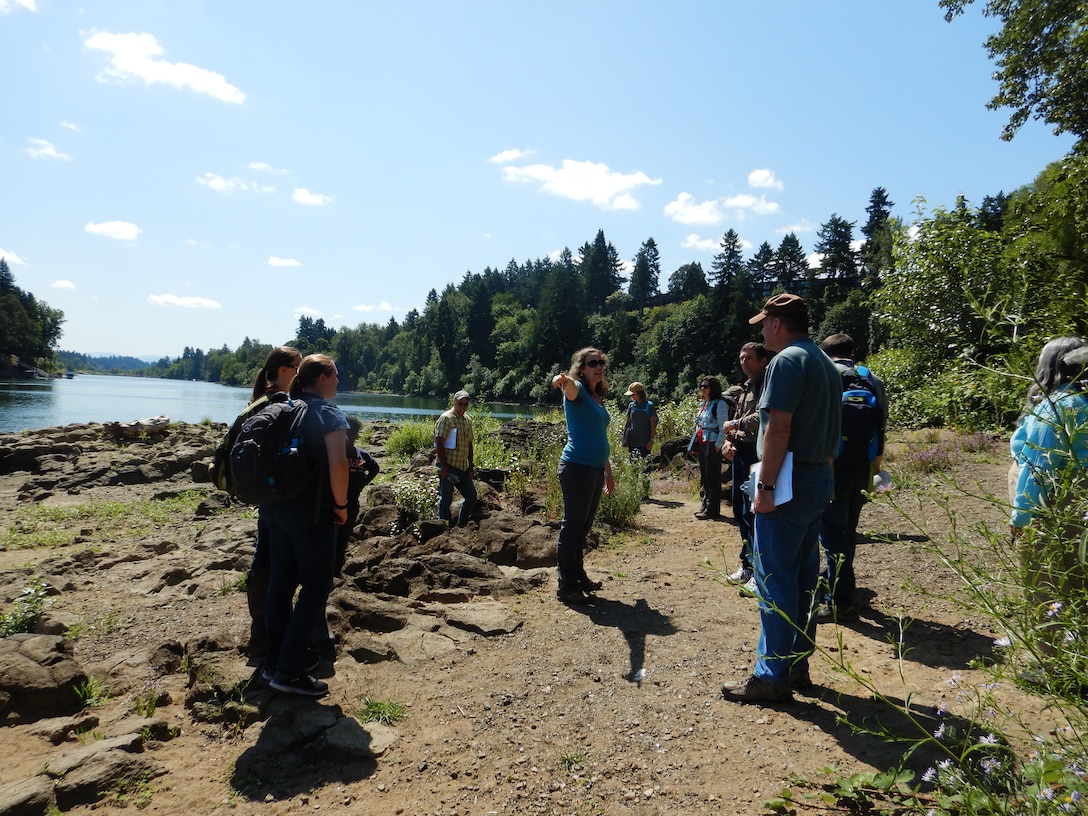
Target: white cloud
[(222, 185), (11, 257), (71, 126), (801, 226), (510, 155), (267, 168), (8, 6), (62, 284), (307, 311), (584, 181), (693, 241), (685, 210), (764, 179), (137, 56), (748, 203), (121, 230), (44, 150), (185, 302), (383, 306), (274, 261), (304, 196)]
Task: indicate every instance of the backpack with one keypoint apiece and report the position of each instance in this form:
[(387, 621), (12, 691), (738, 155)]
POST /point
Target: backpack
[(861, 416), (221, 458), (630, 420), (269, 463)]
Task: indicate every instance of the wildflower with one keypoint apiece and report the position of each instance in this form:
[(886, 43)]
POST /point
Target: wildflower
[(1047, 794), (989, 686), (939, 733), (1054, 608), (954, 679), (988, 739), (991, 766), (930, 775), (942, 709), (944, 764), (1070, 636)]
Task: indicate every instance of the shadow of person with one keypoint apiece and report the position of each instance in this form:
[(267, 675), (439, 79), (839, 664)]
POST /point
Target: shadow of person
[(635, 621), (933, 644), (886, 733), (303, 747)]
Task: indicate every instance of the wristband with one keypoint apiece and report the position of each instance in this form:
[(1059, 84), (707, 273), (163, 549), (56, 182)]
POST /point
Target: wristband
[(340, 506)]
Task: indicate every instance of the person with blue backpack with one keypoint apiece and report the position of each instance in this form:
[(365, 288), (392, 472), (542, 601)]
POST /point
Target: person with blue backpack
[(864, 422)]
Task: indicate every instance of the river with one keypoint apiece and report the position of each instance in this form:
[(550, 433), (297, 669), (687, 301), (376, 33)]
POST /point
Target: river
[(36, 404)]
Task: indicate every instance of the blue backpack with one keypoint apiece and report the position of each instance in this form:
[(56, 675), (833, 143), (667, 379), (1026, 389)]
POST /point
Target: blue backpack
[(861, 417)]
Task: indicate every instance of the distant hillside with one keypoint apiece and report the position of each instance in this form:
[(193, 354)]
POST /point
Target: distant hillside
[(82, 362)]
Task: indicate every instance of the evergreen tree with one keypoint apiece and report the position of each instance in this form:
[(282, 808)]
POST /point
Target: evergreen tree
[(761, 273), (876, 252), (600, 267), (645, 277), (560, 325), (728, 262), (790, 263)]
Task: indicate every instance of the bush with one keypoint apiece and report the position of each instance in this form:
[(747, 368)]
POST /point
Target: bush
[(409, 439)]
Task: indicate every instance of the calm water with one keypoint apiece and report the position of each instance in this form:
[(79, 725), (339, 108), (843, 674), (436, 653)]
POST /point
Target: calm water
[(35, 404)]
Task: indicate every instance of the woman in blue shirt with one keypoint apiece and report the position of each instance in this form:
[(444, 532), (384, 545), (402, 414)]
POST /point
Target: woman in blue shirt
[(584, 469)]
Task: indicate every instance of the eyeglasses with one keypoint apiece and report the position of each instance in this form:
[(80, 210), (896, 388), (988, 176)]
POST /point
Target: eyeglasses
[(594, 363), (462, 402)]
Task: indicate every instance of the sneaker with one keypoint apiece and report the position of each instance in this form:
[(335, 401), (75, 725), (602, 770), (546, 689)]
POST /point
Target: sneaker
[(836, 613), (750, 589), (303, 684), (313, 660), (707, 516), (753, 690), (741, 576), (266, 675)]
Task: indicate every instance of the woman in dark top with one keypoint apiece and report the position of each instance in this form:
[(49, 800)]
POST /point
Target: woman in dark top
[(302, 533), (713, 412), (275, 375), (584, 469)]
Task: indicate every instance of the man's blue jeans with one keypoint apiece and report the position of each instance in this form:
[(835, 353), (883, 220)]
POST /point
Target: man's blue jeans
[(467, 490), (787, 570), (302, 555)]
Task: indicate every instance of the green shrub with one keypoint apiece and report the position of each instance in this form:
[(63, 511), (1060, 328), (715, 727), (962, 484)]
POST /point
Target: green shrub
[(487, 446), (25, 612), (410, 438), (382, 711), (416, 496)]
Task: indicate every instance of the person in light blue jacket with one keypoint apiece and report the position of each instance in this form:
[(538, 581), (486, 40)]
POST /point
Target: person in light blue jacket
[(1053, 433)]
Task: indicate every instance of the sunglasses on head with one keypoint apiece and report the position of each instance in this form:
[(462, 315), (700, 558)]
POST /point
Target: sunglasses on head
[(594, 363)]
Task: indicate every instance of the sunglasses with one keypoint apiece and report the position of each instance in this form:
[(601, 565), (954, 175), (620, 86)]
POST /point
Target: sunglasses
[(594, 363), (462, 402), (704, 385)]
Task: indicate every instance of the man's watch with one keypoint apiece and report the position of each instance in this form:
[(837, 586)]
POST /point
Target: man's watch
[(764, 486)]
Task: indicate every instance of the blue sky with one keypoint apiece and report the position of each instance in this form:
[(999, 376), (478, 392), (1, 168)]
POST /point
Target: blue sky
[(193, 173)]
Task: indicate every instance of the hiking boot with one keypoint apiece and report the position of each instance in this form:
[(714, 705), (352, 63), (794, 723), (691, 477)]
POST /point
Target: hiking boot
[(836, 613), (753, 690), (592, 586), (303, 684), (741, 576), (703, 516), (573, 597), (800, 679)]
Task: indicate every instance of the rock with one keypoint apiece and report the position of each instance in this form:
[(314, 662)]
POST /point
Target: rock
[(365, 740), (57, 729), (102, 772), (485, 618), (39, 674), (27, 797)]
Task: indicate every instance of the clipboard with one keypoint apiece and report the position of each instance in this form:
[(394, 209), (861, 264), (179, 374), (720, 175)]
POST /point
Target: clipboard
[(783, 488)]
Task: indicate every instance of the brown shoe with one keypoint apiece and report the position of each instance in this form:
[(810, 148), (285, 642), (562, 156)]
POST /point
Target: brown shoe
[(753, 690)]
